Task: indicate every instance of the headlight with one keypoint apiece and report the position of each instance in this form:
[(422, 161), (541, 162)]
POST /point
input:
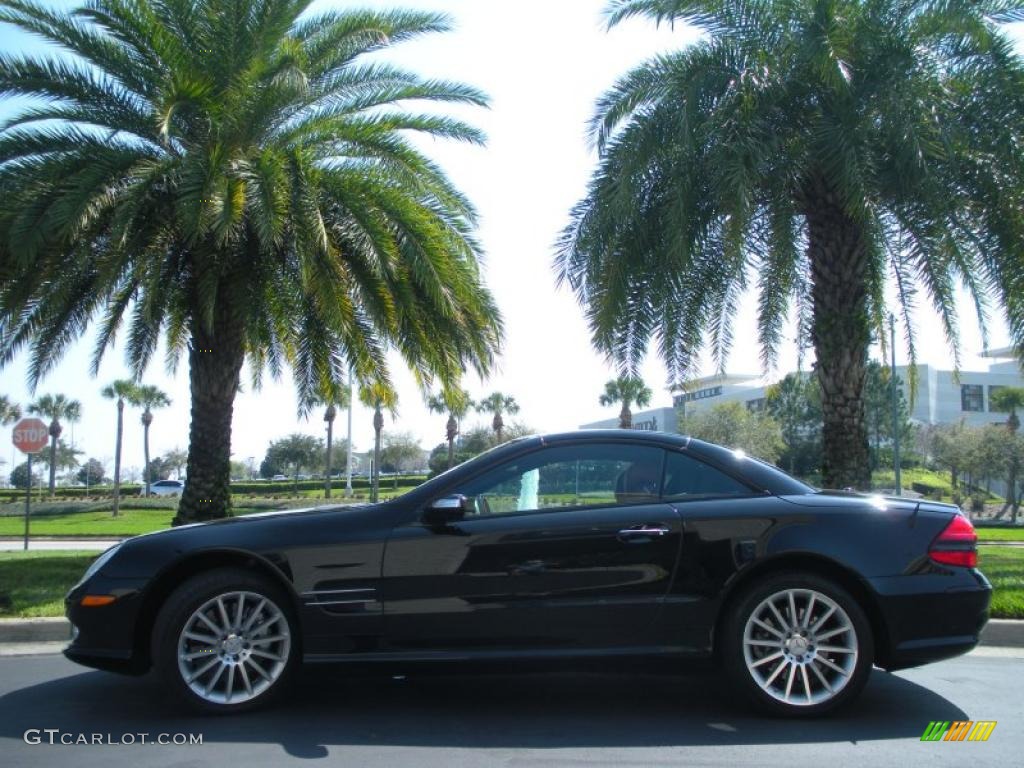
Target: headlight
[(99, 562)]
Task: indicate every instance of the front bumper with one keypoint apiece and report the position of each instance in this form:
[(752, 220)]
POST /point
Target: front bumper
[(930, 616), (107, 637)]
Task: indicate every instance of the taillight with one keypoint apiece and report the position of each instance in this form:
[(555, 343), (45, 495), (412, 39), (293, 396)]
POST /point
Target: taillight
[(956, 545)]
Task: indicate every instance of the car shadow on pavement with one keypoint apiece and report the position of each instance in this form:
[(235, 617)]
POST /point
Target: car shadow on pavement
[(330, 706)]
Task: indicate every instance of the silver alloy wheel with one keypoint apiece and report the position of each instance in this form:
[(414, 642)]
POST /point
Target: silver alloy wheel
[(234, 647), (800, 647)]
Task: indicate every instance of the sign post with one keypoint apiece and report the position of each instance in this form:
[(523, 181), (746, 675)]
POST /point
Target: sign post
[(29, 436)]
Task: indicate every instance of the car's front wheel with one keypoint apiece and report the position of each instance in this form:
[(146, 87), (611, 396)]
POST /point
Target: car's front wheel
[(798, 644), (225, 641)]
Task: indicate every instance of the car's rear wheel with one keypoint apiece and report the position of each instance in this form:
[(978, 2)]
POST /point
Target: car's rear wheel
[(225, 641), (798, 644)]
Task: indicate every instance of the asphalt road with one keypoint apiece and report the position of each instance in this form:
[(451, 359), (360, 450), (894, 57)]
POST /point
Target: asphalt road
[(578, 718)]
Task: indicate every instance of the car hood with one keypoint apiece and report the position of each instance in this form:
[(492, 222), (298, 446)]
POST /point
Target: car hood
[(257, 519)]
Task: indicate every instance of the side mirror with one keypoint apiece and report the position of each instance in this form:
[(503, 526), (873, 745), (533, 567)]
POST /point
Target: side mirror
[(446, 510)]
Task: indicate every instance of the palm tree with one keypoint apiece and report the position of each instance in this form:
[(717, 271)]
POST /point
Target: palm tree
[(148, 397), (1009, 400), (832, 150), (121, 390), (242, 180), (377, 396), (498, 404), (337, 397), (628, 390), (55, 408), (9, 411), (456, 403)]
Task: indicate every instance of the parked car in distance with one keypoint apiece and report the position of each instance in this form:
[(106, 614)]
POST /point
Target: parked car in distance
[(578, 545), (279, 477), (164, 488)]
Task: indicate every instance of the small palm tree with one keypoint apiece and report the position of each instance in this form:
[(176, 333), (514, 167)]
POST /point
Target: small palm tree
[(149, 397), (378, 396), (834, 149), (456, 402), (56, 408), (9, 411), (121, 390), (337, 397), (498, 403), (1009, 400), (628, 390)]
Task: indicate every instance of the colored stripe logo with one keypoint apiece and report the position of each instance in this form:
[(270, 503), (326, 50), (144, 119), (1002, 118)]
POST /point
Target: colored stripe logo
[(959, 730)]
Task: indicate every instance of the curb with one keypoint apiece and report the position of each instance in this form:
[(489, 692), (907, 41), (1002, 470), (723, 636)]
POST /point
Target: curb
[(1006, 633), (34, 630)]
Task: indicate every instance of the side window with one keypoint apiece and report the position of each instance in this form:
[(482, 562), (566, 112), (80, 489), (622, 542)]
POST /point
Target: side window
[(686, 477), (569, 476)]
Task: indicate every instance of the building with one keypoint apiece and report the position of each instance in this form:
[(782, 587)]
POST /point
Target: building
[(942, 397), (651, 420)]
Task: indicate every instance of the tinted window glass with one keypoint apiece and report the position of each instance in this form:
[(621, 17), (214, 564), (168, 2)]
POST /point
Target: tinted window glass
[(568, 476), (686, 477)]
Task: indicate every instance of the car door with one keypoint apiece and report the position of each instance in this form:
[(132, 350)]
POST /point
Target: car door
[(564, 548)]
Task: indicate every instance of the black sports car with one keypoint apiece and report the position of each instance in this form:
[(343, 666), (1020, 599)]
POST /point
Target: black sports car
[(603, 543)]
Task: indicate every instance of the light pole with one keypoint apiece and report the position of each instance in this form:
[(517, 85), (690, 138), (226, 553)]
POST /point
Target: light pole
[(348, 442), (895, 407)]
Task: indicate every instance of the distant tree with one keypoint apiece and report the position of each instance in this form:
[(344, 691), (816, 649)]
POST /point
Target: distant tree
[(456, 402), (736, 426), (158, 469), (335, 396), (878, 411), (379, 397), (121, 391), (296, 453), (56, 408), (1009, 400), (239, 470), (269, 467), (19, 476), (400, 452), (795, 404), (10, 411), (176, 459), (499, 404), (149, 397), (91, 473), (628, 390), (949, 449), (65, 456)]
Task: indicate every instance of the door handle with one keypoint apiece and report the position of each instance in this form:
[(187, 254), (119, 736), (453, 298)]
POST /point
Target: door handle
[(641, 534)]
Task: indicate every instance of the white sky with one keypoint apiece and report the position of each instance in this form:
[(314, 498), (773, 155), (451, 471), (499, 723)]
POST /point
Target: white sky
[(544, 63)]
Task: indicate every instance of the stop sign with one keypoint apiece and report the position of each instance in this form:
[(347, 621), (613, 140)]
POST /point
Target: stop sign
[(30, 435)]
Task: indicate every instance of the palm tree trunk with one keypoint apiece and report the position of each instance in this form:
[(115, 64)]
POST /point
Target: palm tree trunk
[(145, 454), (625, 417), (53, 462), (452, 429), (838, 255), (327, 462), (117, 456), (378, 426), (215, 363)]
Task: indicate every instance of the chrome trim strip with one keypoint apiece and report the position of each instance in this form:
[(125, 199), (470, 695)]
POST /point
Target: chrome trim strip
[(339, 602)]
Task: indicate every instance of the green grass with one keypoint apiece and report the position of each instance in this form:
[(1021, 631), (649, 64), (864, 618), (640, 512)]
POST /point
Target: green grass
[(1004, 567), (35, 583), (129, 522), (994, 533)]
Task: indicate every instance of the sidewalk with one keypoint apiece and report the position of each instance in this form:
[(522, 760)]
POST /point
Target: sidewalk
[(12, 544)]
